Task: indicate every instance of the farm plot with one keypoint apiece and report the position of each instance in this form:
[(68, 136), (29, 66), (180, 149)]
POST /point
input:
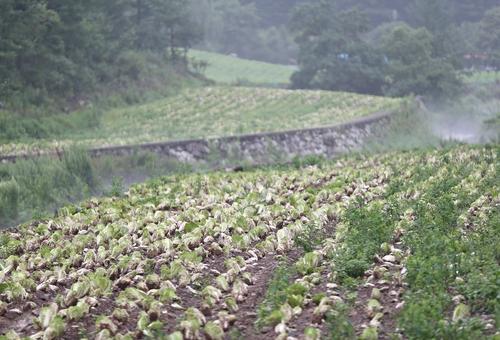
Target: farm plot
[(399, 244), (229, 69), (217, 111)]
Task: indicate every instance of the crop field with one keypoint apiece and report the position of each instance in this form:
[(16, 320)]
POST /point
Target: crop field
[(216, 111), (390, 245), (226, 69)]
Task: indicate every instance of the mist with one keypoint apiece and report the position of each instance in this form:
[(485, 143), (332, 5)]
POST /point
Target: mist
[(465, 129), (469, 119)]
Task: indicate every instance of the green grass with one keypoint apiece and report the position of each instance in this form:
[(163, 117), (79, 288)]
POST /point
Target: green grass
[(215, 111), (230, 70), (483, 78)]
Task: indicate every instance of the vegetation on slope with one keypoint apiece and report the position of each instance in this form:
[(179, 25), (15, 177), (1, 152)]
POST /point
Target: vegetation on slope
[(408, 240), (214, 111), (227, 69), (55, 53)]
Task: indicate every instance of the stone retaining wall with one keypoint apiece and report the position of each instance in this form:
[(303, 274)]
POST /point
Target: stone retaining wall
[(259, 148)]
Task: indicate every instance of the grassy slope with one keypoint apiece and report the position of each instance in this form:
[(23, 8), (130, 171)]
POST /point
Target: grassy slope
[(229, 70), (219, 111), (435, 213), (483, 78)]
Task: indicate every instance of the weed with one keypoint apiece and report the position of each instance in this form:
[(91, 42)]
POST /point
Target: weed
[(276, 295), (338, 325), (367, 228), (309, 160), (117, 187)]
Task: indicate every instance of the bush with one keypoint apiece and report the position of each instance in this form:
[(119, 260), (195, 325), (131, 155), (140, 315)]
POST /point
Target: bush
[(9, 200)]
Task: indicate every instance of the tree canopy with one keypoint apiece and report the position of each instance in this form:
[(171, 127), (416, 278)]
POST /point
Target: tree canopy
[(412, 67), (336, 52), (490, 30), (67, 47), (332, 54)]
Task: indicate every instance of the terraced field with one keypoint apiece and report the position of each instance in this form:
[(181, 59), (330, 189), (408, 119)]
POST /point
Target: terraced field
[(226, 69), (216, 111), (399, 244)]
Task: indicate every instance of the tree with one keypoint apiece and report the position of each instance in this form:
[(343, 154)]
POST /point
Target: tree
[(239, 27), (28, 46), (332, 54), (63, 49), (412, 68), (490, 35), (164, 24), (490, 30), (229, 26), (153, 25)]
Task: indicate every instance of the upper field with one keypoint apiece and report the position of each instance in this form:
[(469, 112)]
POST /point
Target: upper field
[(217, 111), (229, 69), (483, 78), (399, 245)]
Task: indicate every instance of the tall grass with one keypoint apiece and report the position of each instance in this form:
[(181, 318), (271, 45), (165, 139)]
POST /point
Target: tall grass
[(33, 188), (36, 188), (9, 199)]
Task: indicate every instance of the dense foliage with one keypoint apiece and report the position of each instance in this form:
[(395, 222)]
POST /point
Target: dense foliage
[(68, 49), (332, 54), (490, 35), (335, 55), (413, 68), (392, 245), (340, 48), (55, 52)]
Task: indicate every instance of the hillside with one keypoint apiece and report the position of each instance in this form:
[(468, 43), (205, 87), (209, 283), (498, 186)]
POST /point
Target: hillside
[(215, 111), (392, 245), (230, 70)]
